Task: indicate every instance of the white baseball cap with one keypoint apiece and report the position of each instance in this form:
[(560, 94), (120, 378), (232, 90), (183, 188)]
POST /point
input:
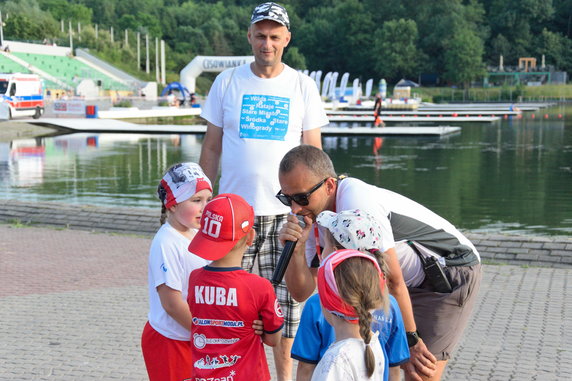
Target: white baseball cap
[(353, 229)]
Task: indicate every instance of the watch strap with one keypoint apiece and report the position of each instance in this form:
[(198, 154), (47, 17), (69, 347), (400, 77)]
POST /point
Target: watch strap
[(412, 338)]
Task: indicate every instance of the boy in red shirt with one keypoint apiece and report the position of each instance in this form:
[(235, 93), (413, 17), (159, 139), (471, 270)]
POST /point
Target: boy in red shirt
[(224, 299)]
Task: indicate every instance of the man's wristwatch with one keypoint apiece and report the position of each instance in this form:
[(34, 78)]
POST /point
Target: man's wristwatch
[(412, 338)]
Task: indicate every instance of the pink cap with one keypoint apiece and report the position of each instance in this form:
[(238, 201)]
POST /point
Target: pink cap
[(225, 220), (328, 288)]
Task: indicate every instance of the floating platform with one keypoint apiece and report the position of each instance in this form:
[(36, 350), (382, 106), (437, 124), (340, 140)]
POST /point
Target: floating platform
[(429, 113), (391, 131), (117, 126), (456, 107), (114, 126), (484, 106), (416, 118), (155, 112)]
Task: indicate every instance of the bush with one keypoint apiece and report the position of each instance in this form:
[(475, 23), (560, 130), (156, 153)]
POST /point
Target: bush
[(123, 103)]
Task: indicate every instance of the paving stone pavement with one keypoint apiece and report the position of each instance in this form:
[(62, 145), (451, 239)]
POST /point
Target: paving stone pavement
[(73, 304), (497, 248)]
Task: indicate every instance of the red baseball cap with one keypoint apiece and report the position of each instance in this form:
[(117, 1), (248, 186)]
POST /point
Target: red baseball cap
[(225, 220)]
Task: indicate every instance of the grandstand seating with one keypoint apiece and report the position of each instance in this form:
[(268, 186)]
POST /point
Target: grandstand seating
[(70, 70), (9, 66)]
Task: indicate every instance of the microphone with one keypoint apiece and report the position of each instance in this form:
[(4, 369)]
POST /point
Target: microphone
[(285, 257)]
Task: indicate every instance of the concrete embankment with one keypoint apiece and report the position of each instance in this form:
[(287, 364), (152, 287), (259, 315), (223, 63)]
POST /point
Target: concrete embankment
[(553, 252)]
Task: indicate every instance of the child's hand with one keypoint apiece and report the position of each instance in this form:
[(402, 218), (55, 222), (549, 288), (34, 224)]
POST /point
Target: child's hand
[(258, 327)]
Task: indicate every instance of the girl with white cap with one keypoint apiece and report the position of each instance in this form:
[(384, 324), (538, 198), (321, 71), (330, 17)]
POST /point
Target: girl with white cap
[(184, 191)]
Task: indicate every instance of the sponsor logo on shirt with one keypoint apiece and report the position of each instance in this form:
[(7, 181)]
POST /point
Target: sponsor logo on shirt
[(221, 361), (200, 341), (381, 318), (218, 323), (230, 377), (278, 309), (163, 267)]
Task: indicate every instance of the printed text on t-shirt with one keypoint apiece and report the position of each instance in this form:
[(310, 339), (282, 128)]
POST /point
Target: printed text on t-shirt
[(264, 117)]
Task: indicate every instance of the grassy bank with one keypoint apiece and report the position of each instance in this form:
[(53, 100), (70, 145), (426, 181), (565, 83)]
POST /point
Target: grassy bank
[(560, 93)]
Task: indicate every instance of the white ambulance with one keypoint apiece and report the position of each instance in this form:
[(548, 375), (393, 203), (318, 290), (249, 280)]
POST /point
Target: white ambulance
[(21, 95)]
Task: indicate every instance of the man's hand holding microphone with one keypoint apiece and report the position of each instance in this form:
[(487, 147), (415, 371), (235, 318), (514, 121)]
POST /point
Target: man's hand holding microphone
[(293, 235)]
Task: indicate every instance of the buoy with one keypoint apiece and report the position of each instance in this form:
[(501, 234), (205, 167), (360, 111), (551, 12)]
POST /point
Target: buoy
[(559, 116), (480, 116), (455, 114), (505, 116), (545, 116), (440, 116), (532, 116)]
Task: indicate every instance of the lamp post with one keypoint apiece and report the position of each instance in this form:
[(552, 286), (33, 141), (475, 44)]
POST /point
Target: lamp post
[(1, 30), (147, 53), (71, 36), (163, 79), (138, 51), (157, 59)]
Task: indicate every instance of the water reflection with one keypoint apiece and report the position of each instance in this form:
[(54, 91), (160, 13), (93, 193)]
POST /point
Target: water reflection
[(100, 169), (512, 176)]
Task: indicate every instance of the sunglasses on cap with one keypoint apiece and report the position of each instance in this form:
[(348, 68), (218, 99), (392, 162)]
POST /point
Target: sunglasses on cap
[(299, 198)]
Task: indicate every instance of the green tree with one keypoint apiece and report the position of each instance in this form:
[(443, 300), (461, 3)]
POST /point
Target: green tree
[(367, 38), (293, 58), (19, 26), (104, 11), (25, 20), (64, 10), (316, 40), (499, 47), (563, 17), (519, 21), (354, 38), (396, 50), (338, 39), (436, 21), (556, 48), (463, 58)]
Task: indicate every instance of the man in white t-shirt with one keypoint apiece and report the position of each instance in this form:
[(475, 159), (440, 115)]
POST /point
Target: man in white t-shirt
[(434, 317), (256, 113)]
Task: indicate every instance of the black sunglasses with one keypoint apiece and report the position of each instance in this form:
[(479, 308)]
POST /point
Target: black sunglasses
[(299, 198)]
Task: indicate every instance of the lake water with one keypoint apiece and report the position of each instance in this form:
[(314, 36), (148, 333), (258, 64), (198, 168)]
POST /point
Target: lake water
[(512, 176)]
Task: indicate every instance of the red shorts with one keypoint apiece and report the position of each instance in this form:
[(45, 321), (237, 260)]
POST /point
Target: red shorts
[(166, 359)]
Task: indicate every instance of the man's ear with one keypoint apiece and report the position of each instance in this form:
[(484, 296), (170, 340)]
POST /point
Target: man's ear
[(331, 185), (250, 236), (288, 38)]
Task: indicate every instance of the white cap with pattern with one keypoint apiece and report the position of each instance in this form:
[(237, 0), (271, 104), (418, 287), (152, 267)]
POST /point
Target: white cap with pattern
[(353, 229)]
